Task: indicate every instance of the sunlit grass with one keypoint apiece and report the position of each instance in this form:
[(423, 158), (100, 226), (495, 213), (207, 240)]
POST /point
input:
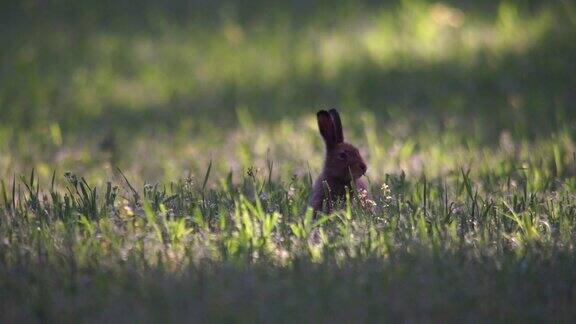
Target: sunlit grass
[(186, 63), (296, 148), (91, 238), (174, 87)]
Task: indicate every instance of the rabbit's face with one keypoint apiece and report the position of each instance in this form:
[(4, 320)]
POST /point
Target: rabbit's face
[(344, 162)]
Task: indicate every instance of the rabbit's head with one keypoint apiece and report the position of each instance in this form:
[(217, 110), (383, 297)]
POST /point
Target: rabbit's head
[(343, 161)]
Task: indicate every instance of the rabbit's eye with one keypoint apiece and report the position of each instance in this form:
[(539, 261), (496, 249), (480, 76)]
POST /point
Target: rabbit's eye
[(342, 155)]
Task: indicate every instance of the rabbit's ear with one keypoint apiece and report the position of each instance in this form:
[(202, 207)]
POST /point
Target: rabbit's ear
[(326, 127), (338, 132)]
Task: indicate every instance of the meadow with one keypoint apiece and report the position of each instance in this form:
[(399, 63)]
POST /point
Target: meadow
[(156, 161)]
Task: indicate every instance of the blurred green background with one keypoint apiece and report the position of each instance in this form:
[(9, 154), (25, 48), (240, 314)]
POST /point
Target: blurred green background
[(160, 88)]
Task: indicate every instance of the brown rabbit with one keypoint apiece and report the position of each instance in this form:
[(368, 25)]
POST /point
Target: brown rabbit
[(342, 165)]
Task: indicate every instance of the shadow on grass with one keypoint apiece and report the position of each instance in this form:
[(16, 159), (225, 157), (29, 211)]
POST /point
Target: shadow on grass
[(528, 93)]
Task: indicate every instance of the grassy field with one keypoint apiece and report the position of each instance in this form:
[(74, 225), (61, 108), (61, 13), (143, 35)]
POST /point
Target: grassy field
[(156, 161)]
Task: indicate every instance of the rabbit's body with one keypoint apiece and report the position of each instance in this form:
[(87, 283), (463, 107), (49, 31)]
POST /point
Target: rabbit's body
[(343, 165), (336, 192)]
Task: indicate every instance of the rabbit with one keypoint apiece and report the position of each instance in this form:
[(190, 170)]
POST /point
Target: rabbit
[(343, 165)]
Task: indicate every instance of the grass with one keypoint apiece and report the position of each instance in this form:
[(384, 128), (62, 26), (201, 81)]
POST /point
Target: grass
[(72, 79), (446, 249), (173, 148)]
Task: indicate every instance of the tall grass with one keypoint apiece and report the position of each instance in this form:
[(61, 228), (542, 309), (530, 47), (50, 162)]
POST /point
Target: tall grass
[(447, 248)]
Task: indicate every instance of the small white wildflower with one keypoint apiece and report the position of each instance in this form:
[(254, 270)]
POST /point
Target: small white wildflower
[(386, 194), (291, 192), (365, 200), (386, 191), (128, 210)]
